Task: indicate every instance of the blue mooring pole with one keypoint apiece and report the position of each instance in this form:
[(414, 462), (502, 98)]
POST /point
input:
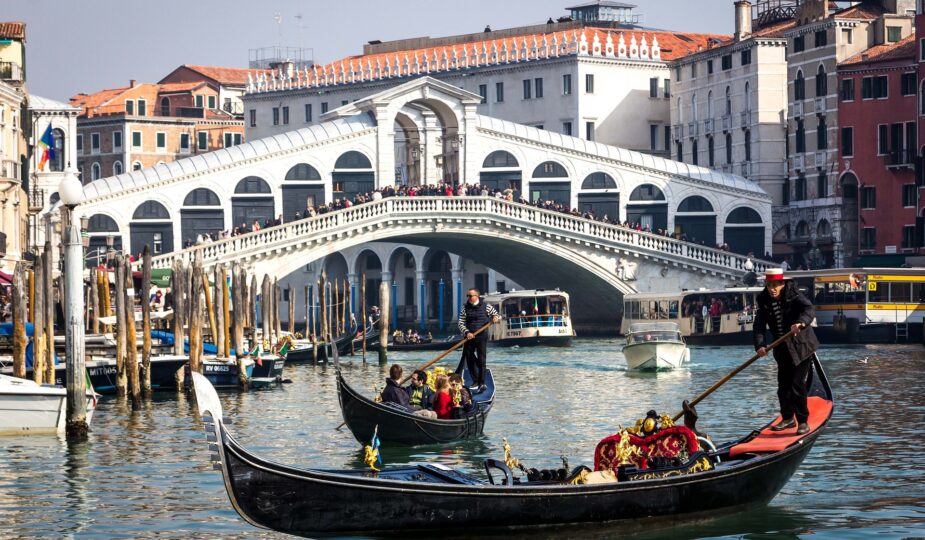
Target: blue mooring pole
[(440, 296)]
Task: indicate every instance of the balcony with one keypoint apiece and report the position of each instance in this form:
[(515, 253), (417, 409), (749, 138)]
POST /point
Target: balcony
[(708, 126), (11, 71), (237, 108), (36, 200), (693, 129), (745, 119), (10, 169), (797, 109), (900, 159), (727, 122), (819, 105), (191, 112), (821, 159), (799, 162), (677, 131)]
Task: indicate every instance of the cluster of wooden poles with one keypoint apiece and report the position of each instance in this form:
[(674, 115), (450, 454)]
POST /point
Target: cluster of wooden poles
[(33, 301)]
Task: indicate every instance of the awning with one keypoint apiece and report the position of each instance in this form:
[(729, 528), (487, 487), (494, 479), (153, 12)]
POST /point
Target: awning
[(6, 279), (891, 260)]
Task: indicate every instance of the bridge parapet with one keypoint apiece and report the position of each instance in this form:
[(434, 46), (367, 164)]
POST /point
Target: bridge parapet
[(395, 210)]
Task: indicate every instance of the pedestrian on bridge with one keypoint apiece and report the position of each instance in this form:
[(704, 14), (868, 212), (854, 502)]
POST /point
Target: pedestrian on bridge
[(475, 314)]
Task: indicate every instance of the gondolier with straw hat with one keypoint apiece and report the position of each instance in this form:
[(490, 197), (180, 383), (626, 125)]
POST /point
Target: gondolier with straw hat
[(783, 309)]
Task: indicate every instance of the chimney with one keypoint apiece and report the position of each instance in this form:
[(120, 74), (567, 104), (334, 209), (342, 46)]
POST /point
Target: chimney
[(131, 83), (743, 9)]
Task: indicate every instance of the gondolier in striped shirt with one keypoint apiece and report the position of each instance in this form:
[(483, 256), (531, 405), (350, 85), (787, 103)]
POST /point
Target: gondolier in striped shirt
[(475, 314)]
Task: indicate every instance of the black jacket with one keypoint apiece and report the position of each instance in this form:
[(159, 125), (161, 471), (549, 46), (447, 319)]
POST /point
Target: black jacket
[(797, 309), (392, 393)]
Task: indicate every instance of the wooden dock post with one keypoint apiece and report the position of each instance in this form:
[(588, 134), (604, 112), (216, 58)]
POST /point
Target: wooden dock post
[(225, 311), (145, 321), (383, 323), (131, 358), (121, 343), (107, 299), (218, 334), (266, 308), (307, 307), (363, 312), (277, 297), (239, 291), (323, 299), (177, 289), (291, 306), (48, 283), (38, 321), (210, 313), (19, 320), (252, 310), (336, 315), (195, 315), (95, 299)]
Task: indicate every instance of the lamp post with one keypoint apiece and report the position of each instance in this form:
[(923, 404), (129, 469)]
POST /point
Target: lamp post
[(71, 193)]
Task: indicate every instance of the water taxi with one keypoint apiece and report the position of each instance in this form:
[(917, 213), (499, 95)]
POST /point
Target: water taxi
[(704, 316), (655, 346), (531, 317)]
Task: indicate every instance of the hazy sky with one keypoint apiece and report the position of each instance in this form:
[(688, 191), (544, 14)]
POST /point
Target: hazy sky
[(87, 45)]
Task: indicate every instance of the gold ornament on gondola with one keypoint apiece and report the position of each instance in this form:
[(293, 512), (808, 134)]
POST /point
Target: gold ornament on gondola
[(509, 460), (371, 457)]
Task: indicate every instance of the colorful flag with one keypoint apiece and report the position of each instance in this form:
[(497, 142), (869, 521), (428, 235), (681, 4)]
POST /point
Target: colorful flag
[(48, 143)]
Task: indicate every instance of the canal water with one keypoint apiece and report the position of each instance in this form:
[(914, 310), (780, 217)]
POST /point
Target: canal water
[(147, 474)]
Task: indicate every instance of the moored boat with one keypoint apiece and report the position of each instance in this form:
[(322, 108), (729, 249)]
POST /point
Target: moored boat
[(102, 372), (655, 346), (531, 317), (30, 408), (303, 350), (740, 474)]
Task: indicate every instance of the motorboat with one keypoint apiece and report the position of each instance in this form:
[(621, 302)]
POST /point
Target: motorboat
[(30, 408), (655, 346)]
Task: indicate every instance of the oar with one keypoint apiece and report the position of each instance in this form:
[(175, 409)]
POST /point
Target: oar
[(731, 374), (448, 351)]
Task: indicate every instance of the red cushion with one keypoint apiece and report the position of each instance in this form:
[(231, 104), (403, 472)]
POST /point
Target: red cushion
[(775, 441), (669, 442)]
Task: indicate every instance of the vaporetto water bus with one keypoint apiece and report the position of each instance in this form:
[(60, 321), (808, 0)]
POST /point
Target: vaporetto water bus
[(704, 316), (531, 317)]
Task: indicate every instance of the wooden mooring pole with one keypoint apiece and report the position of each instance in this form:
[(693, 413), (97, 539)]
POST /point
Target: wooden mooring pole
[(121, 338), (38, 321), (20, 309), (363, 312), (146, 322), (131, 341), (383, 323)]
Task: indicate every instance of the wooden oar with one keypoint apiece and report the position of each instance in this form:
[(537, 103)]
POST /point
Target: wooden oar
[(448, 351), (731, 374)]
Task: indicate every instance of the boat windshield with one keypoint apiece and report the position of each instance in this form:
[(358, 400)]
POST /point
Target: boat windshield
[(643, 332)]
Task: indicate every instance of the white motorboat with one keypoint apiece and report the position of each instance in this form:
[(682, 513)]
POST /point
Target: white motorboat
[(27, 408), (655, 346)]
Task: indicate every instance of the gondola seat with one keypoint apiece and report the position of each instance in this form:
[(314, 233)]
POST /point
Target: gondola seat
[(768, 441), (671, 443)]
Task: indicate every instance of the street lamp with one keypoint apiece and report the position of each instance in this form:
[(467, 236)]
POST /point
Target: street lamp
[(71, 192)]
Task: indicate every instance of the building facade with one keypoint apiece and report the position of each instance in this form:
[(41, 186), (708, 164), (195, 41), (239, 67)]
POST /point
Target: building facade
[(14, 146)]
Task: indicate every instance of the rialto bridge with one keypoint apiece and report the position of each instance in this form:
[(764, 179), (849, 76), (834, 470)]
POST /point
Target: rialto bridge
[(441, 138)]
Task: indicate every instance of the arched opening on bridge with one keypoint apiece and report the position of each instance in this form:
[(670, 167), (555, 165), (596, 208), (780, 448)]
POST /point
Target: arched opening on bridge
[(335, 269), (648, 207), (438, 268), (448, 144), (151, 226), (848, 228), (252, 202), (696, 221), (368, 264), (303, 187), (503, 172), (409, 150), (401, 268), (200, 215), (353, 174), (599, 196), (744, 231), (547, 186), (100, 228)]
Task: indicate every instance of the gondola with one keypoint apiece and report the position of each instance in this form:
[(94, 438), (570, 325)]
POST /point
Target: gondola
[(399, 426), (303, 352), (432, 345), (745, 473)]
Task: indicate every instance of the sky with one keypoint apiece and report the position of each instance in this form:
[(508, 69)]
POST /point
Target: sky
[(75, 46)]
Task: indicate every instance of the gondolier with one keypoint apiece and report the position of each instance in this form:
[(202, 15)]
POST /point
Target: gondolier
[(782, 309), (474, 315)]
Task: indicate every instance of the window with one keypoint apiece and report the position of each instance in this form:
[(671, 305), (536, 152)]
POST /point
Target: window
[(908, 236), (894, 33), (822, 139), (799, 190), (567, 84), (680, 152), (538, 87), (202, 140), (567, 128), (694, 152), (883, 139), (867, 88), (308, 112), (324, 107), (711, 151), (726, 62), (136, 165), (253, 116), (800, 137), (910, 192), (94, 143), (199, 102), (748, 145), (799, 86), (344, 102), (746, 57), (799, 44), (136, 139), (667, 139), (653, 137), (117, 168), (880, 87), (483, 91), (847, 36), (729, 148), (653, 87), (184, 143), (694, 70), (589, 83), (275, 116), (785, 189), (666, 87), (142, 107), (161, 140), (868, 238), (822, 186), (847, 141), (211, 101), (285, 116), (709, 67), (868, 197), (589, 131), (238, 139), (822, 83), (228, 140), (499, 92), (847, 90), (677, 73), (116, 140), (80, 143), (821, 38), (527, 88), (95, 171), (907, 84), (130, 107)]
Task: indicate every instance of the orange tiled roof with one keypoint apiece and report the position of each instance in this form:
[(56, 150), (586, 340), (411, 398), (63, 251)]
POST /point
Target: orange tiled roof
[(13, 30), (170, 88), (903, 49), (96, 99), (223, 75), (864, 10)]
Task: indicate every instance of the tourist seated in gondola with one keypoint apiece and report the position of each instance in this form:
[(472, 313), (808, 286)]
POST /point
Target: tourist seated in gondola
[(421, 397), (461, 396), (443, 403), (393, 392)]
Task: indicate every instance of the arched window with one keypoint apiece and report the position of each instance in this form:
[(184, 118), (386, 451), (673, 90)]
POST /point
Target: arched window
[(647, 192), (695, 153), (743, 214), (599, 180), (728, 101), (136, 165), (57, 164), (499, 158), (824, 229), (799, 86), (822, 85), (549, 169), (252, 185), (694, 108), (680, 112), (165, 106), (304, 171), (802, 230), (748, 106), (710, 104), (353, 160), (102, 223), (151, 210), (748, 145), (695, 203), (95, 171), (116, 168), (201, 197)]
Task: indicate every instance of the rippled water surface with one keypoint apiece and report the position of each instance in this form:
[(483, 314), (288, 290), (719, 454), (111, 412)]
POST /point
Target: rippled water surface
[(147, 473)]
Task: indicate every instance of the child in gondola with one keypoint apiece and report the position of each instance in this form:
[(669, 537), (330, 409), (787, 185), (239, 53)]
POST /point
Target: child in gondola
[(443, 403)]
